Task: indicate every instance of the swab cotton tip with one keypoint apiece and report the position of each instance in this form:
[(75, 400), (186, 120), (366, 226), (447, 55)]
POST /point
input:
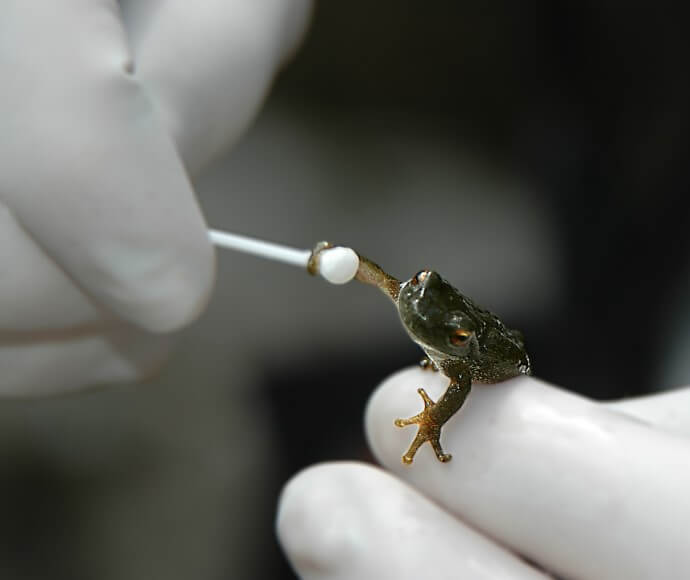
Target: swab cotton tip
[(338, 265)]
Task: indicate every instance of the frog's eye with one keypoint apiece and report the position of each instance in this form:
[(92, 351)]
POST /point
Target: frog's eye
[(460, 337), (419, 277)]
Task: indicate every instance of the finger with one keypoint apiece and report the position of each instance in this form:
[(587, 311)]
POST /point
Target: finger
[(34, 293), (584, 491), (83, 357), (669, 411), (208, 65), (88, 170), (349, 520)]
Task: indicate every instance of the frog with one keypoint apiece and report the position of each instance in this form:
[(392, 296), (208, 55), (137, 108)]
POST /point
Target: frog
[(459, 338)]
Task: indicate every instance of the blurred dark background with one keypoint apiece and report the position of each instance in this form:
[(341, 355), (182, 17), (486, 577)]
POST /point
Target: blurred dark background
[(536, 153), (585, 102)]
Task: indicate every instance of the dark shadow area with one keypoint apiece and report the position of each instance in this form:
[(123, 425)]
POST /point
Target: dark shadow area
[(316, 410), (38, 501), (587, 102)]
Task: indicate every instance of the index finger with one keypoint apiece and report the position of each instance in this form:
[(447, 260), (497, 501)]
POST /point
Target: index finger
[(585, 491), (88, 169)]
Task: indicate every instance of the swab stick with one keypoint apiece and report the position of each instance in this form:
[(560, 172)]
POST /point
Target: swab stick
[(336, 264)]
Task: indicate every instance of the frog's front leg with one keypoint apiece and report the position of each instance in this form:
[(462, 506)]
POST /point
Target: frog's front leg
[(435, 415)]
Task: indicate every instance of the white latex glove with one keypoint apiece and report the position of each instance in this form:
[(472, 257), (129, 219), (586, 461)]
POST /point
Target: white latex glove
[(581, 489), (102, 244)]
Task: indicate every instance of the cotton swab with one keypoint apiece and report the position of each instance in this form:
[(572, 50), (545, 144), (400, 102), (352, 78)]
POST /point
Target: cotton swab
[(337, 265), (293, 256)]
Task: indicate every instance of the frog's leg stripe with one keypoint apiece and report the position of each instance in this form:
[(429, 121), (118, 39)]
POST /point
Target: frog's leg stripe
[(371, 273)]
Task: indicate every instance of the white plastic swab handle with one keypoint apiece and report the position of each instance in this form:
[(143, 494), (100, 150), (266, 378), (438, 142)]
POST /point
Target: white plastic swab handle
[(261, 248)]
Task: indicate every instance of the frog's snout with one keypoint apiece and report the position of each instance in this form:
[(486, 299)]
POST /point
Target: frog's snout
[(420, 277), (425, 278)]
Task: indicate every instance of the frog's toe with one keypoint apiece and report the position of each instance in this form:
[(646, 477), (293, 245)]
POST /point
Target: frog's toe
[(422, 417), (405, 422), (420, 438), (427, 364), (430, 433), (428, 402), (438, 450)]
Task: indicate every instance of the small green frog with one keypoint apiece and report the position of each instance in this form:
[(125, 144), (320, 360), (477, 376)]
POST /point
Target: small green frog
[(460, 339)]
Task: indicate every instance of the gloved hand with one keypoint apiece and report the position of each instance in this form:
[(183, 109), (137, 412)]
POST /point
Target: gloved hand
[(105, 109), (577, 488)]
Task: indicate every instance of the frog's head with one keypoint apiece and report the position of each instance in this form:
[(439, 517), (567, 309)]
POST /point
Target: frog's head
[(438, 316)]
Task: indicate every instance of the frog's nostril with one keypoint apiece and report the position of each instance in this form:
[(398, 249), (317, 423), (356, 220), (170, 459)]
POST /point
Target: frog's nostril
[(421, 276)]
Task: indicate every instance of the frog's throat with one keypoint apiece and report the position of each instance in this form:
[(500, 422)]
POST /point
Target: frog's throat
[(436, 356)]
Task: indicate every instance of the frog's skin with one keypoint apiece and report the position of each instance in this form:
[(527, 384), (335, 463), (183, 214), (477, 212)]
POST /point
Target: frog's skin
[(463, 341), (460, 339)]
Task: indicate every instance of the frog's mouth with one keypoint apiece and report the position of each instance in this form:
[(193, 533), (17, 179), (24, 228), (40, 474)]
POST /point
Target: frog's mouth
[(413, 290), (412, 294)]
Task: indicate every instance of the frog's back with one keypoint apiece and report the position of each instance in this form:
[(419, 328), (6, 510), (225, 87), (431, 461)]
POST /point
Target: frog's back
[(501, 351)]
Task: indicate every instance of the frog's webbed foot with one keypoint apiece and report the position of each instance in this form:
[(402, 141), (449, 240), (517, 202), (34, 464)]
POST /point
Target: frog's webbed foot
[(427, 364), (429, 430), (434, 416)]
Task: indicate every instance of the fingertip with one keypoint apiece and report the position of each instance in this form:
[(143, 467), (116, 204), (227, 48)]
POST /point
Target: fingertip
[(297, 15), (161, 287), (351, 520), (104, 354), (316, 524)]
